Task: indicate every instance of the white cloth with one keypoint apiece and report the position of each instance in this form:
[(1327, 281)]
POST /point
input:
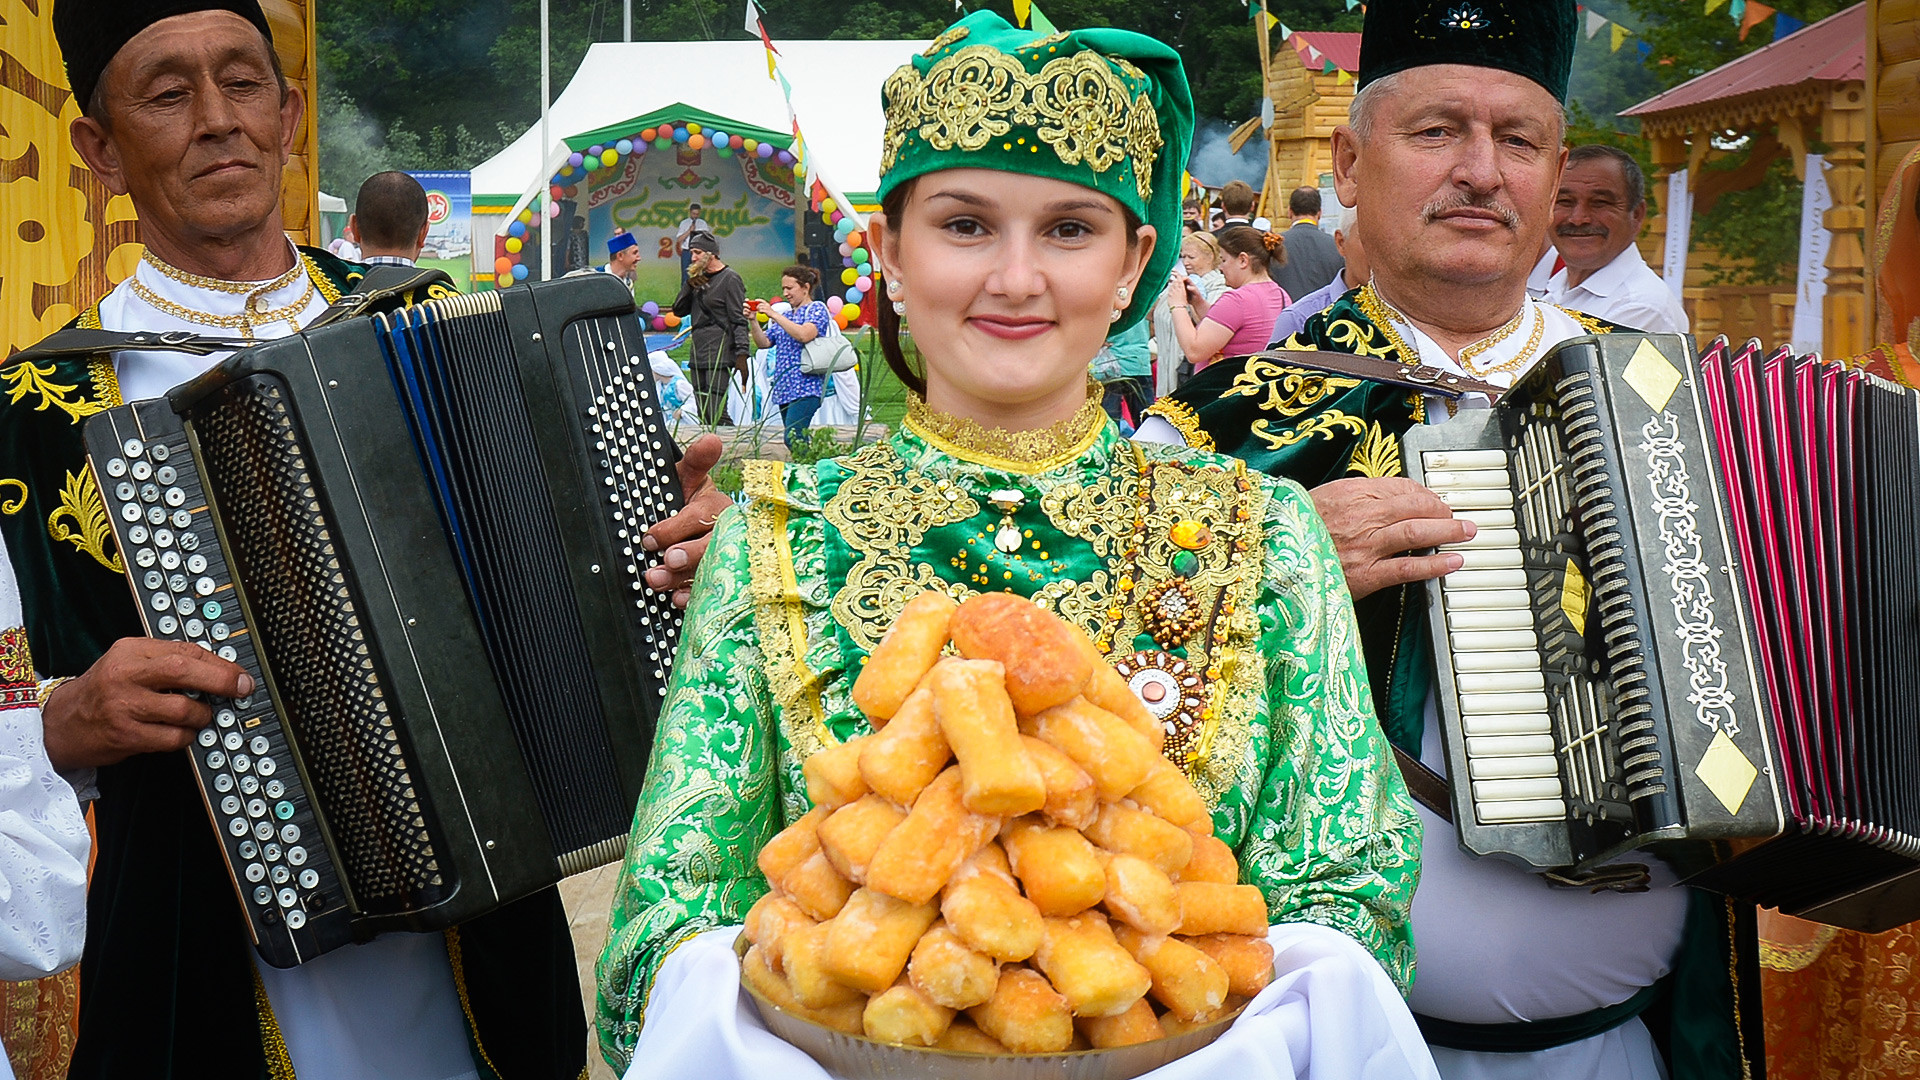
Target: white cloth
[(43, 834), (1542, 275), (1627, 292), (1331, 1012), (386, 1010)]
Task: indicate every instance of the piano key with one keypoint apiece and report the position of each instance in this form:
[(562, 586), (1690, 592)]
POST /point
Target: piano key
[(1490, 559), (1464, 459), (1477, 499), (1484, 579), (1488, 538), (1494, 640), (1490, 619), (1468, 480), (1487, 599), (1513, 813), (1504, 682), (1493, 746), (1496, 661), (1518, 790), (1514, 768), (1508, 724), (1502, 704), (1488, 519)]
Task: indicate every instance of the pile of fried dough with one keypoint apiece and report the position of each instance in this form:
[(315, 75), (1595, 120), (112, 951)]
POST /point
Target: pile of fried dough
[(1008, 865)]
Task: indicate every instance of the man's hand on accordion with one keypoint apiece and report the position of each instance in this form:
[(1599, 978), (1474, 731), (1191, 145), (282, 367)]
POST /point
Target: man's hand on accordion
[(1375, 522), (684, 535), (134, 701)]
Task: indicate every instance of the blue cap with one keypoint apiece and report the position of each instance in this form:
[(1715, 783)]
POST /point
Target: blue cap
[(620, 242)]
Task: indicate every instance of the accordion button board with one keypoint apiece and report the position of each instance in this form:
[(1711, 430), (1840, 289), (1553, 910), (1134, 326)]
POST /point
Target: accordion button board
[(242, 763)]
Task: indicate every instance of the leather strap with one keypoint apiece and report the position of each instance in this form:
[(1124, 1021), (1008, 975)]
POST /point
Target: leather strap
[(1427, 787), (378, 285), (1427, 380), (75, 342)]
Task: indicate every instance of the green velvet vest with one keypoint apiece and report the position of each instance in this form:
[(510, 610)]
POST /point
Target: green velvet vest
[(167, 982), (1314, 428)]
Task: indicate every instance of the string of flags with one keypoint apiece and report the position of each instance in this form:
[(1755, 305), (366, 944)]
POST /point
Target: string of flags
[(1747, 14)]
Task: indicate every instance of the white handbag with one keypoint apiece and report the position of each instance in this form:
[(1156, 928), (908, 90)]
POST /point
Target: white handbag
[(829, 352)]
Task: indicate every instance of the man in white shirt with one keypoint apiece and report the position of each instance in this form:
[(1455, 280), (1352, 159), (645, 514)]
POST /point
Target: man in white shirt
[(690, 226), (1596, 218)]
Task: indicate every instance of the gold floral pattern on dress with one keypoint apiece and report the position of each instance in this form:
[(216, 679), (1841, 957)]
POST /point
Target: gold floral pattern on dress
[(1076, 98), (1185, 421), (1378, 454), (901, 95), (1039, 450), (26, 377), (1288, 390), (971, 98), (11, 505), (80, 504), (1328, 425), (16, 661)]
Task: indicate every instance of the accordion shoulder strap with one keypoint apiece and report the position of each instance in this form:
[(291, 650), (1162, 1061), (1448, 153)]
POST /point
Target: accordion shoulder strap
[(380, 288), (1427, 787), (74, 343), (1421, 377)]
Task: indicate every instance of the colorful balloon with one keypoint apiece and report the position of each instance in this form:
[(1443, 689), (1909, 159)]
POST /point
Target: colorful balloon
[(574, 160), (834, 304), (520, 272), (859, 254), (850, 313), (865, 268), (662, 143), (517, 227), (827, 206), (848, 277), (785, 157), (553, 210), (503, 265), (765, 150), (681, 135), (659, 323), (624, 146), (751, 146), (646, 135), (854, 296), (513, 245), (526, 216), (863, 283), (504, 279), (651, 307), (609, 158), (855, 238), (695, 142), (673, 321), (693, 129), (718, 138)]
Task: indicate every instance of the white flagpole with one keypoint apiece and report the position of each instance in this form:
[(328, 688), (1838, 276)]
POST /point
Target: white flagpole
[(628, 7), (546, 143)]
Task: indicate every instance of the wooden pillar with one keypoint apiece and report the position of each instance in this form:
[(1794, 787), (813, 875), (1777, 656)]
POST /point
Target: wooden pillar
[(1669, 155), (1848, 311)]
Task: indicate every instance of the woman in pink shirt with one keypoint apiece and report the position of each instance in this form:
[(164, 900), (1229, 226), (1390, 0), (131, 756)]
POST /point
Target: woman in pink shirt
[(1238, 323)]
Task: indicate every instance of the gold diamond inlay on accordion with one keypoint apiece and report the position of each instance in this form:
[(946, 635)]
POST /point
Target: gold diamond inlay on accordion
[(420, 534), (1688, 621)]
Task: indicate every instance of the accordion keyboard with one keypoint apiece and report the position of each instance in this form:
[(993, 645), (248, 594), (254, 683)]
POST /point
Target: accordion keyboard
[(1493, 644), (294, 902)]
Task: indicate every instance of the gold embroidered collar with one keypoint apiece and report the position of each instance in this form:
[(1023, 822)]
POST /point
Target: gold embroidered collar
[(1024, 452), (236, 288)]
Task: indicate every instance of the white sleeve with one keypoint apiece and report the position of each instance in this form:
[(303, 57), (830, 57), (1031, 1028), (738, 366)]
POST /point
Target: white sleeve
[(1156, 429), (1331, 1011)]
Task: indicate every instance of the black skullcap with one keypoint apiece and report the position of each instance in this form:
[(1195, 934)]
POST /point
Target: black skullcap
[(1531, 38), (92, 32), (703, 242)]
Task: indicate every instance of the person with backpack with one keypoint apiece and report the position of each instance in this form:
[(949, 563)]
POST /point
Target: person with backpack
[(796, 393)]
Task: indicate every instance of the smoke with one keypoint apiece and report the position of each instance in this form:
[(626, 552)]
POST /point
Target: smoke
[(1214, 163)]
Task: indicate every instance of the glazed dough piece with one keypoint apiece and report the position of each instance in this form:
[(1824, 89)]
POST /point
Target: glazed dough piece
[(1210, 908), (850, 835), (1026, 1014), (1072, 800), (769, 921), (1060, 870), (1116, 756), (901, 1014), (983, 906), (976, 717), (964, 1037), (1169, 794), (1082, 959), (1187, 981), (755, 972), (806, 954), (869, 942), (1248, 960), (1109, 691), (910, 648), (791, 846), (1125, 829), (817, 887), (1212, 861), (950, 972), (1045, 664), (1176, 1026), (1138, 1024), (902, 760), (1140, 895), (916, 859), (833, 775)]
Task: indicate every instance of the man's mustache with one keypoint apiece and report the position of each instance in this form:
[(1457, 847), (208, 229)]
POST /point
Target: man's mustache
[(1433, 210), (1581, 230)]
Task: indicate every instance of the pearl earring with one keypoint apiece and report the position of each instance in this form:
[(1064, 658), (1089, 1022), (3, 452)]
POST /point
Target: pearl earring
[(895, 290), (1123, 292), (1115, 317)]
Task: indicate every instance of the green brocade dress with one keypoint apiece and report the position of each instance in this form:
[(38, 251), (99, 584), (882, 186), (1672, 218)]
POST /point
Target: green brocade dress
[(1174, 560)]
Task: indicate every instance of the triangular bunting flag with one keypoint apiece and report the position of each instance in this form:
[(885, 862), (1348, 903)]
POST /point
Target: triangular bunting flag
[(1784, 24), (1272, 20), (1646, 50), (1351, 4), (1620, 35), (1712, 5), (1286, 34), (1756, 14), (1737, 8), (1342, 79), (1330, 68), (1042, 24), (1594, 22), (1313, 54), (1021, 7)]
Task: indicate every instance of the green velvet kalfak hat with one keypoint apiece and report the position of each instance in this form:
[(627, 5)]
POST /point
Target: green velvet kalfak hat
[(1532, 38), (1106, 109)]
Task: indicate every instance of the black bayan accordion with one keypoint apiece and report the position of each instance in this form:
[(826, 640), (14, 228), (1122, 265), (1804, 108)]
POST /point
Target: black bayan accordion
[(420, 534), (1688, 622)]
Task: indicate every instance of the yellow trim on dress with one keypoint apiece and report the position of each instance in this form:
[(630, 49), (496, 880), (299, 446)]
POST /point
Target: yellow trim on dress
[(1021, 452), (460, 987), (779, 611), (273, 1045), (1184, 420)]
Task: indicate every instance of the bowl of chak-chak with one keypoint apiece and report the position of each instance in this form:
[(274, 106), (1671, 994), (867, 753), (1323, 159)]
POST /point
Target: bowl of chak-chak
[(1006, 879)]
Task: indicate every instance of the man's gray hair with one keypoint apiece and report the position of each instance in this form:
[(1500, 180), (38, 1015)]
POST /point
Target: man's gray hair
[(1360, 113), (1635, 179)]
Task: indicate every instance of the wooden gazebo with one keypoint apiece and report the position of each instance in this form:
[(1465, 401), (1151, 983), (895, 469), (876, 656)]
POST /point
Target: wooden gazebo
[(1310, 80), (1805, 89)]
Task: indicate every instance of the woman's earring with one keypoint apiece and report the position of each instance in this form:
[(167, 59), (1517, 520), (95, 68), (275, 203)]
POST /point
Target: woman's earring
[(1123, 292), (1115, 317), (895, 291)]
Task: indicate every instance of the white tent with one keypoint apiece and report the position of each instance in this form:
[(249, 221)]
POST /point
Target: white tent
[(836, 94)]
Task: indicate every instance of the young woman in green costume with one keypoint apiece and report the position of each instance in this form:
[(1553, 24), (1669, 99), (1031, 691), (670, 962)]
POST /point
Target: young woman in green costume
[(1027, 184)]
